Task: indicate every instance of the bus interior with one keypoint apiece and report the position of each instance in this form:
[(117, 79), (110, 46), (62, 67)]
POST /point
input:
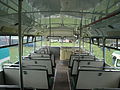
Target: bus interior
[(59, 45)]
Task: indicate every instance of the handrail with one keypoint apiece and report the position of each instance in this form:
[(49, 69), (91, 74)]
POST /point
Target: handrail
[(104, 18), (105, 68), (10, 86), (106, 89), (13, 87)]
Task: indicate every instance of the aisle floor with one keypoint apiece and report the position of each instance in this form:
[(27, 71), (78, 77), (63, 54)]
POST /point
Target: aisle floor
[(61, 76)]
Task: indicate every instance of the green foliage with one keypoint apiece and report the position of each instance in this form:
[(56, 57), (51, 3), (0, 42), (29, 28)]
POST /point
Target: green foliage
[(97, 51)]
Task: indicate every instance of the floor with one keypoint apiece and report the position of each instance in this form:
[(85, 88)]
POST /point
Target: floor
[(61, 76)]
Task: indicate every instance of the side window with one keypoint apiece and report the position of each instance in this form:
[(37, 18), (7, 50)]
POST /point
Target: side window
[(4, 40), (14, 40)]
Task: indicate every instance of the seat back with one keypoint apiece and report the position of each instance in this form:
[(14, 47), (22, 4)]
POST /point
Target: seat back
[(43, 50), (80, 57), (80, 63), (89, 79), (47, 63), (91, 63), (39, 56), (32, 78)]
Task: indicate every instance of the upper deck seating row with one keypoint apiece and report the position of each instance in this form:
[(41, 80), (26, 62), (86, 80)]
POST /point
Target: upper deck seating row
[(92, 75), (38, 54), (35, 63), (42, 57), (80, 63), (43, 50), (84, 56), (37, 73)]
